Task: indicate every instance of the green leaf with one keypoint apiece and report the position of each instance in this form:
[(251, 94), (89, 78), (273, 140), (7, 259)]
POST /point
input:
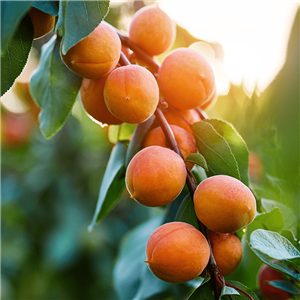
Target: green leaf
[(215, 149), (137, 138), (112, 185), (115, 133), (12, 12), (54, 88), (48, 7), (197, 159), (79, 19), (186, 212), (203, 292), (285, 285), (242, 296), (15, 56), (289, 217), (130, 262), (273, 244), (227, 290), (237, 146), (199, 173)]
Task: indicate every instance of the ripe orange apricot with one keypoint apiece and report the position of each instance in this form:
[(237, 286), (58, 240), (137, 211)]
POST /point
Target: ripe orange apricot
[(270, 292), (177, 252), (42, 22), (92, 99), (186, 79), (224, 204), (227, 250), (155, 176), (152, 30), (131, 94), (95, 55), (185, 141)]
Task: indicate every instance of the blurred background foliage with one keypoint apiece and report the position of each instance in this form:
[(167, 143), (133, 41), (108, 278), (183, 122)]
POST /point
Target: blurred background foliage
[(50, 187)]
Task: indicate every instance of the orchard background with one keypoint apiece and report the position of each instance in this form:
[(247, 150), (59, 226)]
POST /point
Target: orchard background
[(50, 187)]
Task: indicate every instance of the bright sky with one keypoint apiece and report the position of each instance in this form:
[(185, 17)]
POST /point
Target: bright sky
[(254, 35)]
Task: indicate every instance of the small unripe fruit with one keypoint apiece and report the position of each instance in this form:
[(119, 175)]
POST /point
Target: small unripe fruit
[(92, 99), (131, 94), (155, 176), (270, 292), (186, 79), (224, 204), (185, 141), (227, 250), (152, 30), (177, 252), (95, 55), (42, 22)]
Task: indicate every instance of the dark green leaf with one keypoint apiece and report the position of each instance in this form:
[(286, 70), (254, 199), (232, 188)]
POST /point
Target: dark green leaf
[(15, 56), (80, 18), (12, 12), (199, 173), (198, 159), (112, 185), (186, 212), (279, 266), (137, 138), (273, 244), (54, 87), (285, 285), (237, 146), (290, 218), (244, 288), (130, 262), (203, 292), (227, 290), (48, 7), (215, 149)]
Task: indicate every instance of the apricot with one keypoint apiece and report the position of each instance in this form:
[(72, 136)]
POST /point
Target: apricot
[(42, 22), (95, 55), (152, 30), (227, 250), (270, 292), (92, 99), (177, 252), (155, 176), (186, 79), (255, 166), (131, 94), (185, 141), (224, 204)]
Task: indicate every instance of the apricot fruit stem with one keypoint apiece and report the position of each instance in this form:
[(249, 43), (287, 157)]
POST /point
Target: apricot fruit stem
[(203, 115)]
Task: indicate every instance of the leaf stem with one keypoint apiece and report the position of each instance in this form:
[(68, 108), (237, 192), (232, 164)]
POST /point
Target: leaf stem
[(240, 290)]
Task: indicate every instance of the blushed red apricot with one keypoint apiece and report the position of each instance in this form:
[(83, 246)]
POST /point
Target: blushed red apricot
[(270, 292), (155, 176), (95, 55), (177, 252), (224, 204), (227, 250), (131, 94), (42, 22), (186, 79), (152, 30), (92, 99), (185, 141)]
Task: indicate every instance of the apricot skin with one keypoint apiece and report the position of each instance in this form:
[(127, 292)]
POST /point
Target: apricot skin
[(185, 141), (186, 79), (177, 252), (42, 22), (95, 55), (155, 176), (92, 99), (152, 30), (227, 250), (265, 274), (131, 94), (224, 204)]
